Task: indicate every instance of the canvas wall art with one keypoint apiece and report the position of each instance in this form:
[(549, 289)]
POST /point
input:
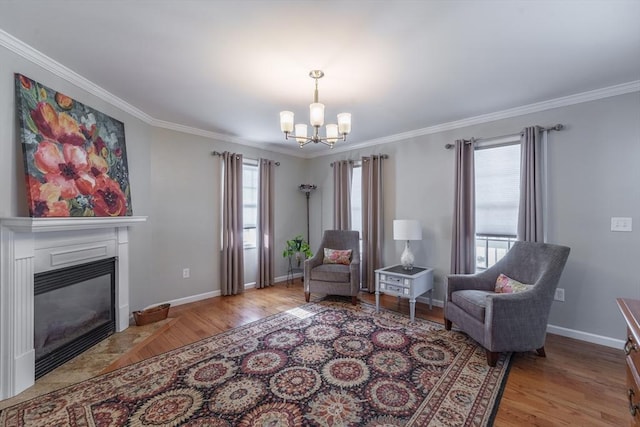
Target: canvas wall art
[(75, 157)]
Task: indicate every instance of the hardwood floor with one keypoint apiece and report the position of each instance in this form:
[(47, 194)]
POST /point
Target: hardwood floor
[(577, 384)]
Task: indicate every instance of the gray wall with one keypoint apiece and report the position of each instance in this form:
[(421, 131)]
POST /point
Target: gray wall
[(593, 173), (185, 186)]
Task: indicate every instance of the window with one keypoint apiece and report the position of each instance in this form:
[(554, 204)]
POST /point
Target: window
[(249, 203), (356, 199), (497, 175), (356, 202)]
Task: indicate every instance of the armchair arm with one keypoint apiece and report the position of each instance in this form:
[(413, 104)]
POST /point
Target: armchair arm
[(458, 282), (354, 270), (310, 263), (516, 321)]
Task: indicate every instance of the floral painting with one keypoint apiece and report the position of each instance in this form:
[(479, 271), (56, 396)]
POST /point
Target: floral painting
[(75, 157)]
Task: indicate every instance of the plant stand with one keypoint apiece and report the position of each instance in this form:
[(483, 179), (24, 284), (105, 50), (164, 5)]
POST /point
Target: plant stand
[(293, 269)]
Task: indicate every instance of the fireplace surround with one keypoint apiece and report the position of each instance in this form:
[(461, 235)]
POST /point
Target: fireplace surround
[(29, 246)]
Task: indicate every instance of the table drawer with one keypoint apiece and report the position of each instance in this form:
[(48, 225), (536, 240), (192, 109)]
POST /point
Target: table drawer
[(633, 391), (393, 288), (394, 280)]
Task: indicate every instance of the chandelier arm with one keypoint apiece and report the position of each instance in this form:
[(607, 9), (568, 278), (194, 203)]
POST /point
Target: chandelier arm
[(308, 139)]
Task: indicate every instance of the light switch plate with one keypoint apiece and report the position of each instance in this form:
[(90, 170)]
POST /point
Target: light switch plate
[(619, 223)]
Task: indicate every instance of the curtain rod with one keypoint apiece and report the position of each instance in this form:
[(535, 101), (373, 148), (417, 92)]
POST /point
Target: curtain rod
[(382, 156), (217, 153), (559, 126)]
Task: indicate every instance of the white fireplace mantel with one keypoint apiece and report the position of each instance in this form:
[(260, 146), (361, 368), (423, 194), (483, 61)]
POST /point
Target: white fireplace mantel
[(35, 225), (31, 245)]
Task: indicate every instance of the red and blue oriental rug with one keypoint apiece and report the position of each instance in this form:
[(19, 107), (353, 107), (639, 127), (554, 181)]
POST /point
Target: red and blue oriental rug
[(321, 364)]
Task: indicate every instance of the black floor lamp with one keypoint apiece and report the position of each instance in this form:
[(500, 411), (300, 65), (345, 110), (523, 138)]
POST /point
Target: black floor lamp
[(307, 189)]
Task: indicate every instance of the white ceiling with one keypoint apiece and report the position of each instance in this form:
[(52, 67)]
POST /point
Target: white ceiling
[(230, 67)]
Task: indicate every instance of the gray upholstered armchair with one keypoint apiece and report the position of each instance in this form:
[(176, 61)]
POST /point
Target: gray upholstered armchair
[(334, 279), (503, 322)]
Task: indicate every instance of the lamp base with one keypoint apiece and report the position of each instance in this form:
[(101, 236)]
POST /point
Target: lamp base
[(407, 258)]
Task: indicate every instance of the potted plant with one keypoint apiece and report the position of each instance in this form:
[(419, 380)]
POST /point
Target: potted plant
[(297, 247)]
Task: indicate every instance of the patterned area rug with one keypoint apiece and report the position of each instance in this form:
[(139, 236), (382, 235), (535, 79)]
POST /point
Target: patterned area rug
[(321, 364)]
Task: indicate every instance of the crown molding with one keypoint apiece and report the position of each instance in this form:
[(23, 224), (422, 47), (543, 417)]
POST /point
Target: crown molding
[(221, 137), (29, 53), (56, 68), (564, 101)]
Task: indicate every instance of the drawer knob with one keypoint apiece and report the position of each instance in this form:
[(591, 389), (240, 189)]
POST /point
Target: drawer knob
[(634, 408), (630, 346)]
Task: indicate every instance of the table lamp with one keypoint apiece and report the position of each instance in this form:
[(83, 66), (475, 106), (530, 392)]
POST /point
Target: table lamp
[(407, 229)]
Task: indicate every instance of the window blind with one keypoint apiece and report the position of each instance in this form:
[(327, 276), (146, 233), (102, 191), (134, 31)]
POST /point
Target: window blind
[(497, 174)]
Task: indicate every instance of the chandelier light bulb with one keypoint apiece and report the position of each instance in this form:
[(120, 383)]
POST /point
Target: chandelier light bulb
[(301, 133), (332, 133), (344, 123), (286, 121), (316, 114)]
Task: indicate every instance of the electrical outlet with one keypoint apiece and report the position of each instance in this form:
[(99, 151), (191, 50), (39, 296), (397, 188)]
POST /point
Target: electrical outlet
[(559, 296), (186, 273), (619, 223)]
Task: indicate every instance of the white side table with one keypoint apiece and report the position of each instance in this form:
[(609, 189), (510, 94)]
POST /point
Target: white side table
[(404, 284)]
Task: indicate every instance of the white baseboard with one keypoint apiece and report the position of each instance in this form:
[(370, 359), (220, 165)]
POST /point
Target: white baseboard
[(425, 300), (558, 330), (585, 336), (284, 278), (192, 298), (212, 294)]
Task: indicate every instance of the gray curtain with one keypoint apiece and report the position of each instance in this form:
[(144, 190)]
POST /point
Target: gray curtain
[(372, 221), (342, 173), (232, 261), (463, 239), (530, 227), (265, 223)]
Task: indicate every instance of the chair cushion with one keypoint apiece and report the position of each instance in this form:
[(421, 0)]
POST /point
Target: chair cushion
[(337, 256), (507, 285), (471, 301), (331, 273)]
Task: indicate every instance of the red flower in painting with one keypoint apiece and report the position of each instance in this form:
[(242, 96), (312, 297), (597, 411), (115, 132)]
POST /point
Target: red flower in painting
[(25, 82), (45, 199), (69, 169), (60, 127), (108, 198)]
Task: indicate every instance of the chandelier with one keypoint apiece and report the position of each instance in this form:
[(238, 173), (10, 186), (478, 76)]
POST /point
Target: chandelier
[(316, 117)]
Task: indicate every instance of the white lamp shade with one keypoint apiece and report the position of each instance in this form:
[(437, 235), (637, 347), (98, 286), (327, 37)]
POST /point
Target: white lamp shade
[(286, 121), (344, 123), (316, 114), (301, 132), (407, 229), (332, 133)]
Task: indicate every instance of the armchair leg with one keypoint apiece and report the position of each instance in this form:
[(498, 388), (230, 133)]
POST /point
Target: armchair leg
[(541, 352), (447, 324), (492, 358), (307, 295), (354, 300)]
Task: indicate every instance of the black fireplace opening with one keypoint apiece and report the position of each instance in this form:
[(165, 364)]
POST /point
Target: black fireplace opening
[(74, 309)]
